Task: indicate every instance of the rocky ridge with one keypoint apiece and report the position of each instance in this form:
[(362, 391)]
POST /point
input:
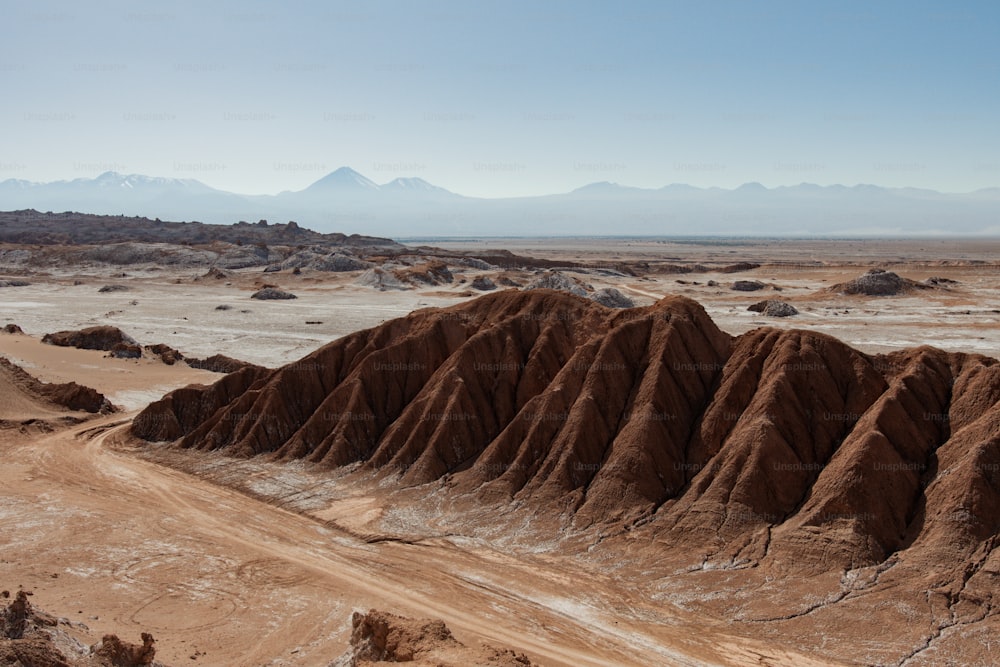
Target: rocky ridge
[(648, 416)]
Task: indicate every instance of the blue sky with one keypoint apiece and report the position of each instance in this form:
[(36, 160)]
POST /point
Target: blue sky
[(505, 98)]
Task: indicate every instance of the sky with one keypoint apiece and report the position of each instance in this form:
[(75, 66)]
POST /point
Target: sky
[(502, 99)]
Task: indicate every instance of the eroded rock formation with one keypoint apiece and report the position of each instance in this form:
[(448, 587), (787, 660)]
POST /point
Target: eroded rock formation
[(780, 446)]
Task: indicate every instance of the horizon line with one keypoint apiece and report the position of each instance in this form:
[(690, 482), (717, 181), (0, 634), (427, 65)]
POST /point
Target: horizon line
[(624, 186)]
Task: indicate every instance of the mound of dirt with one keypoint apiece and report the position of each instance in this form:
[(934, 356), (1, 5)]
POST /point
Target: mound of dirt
[(30, 637), (560, 281), (773, 308), (113, 288), (747, 285), (483, 284), (378, 637), (103, 337), (69, 395), (272, 293), (612, 298), (878, 282)]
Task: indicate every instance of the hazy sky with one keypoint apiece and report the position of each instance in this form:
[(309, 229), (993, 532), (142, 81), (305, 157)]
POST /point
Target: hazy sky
[(507, 98)]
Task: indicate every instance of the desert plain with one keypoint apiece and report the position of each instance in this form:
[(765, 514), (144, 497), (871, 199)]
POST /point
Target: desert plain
[(229, 558)]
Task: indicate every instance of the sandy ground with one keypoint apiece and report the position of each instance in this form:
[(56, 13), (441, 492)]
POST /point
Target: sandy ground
[(130, 384), (797, 252), (181, 311), (108, 536), (124, 545)]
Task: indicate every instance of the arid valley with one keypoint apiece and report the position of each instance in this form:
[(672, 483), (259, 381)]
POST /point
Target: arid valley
[(571, 452)]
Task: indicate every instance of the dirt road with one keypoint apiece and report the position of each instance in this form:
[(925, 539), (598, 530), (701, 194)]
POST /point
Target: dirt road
[(126, 545)]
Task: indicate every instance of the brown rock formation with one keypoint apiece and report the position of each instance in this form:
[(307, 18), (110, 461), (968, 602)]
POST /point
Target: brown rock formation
[(92, 338), (30, 637), (67, 395), (218, 363), (383, 637), (114, 652), (781, 447), (379, 637), (167, 354), (434, 272), (36, 652)]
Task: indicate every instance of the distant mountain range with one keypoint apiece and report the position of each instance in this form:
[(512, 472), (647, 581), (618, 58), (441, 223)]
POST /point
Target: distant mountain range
[(347, 201)]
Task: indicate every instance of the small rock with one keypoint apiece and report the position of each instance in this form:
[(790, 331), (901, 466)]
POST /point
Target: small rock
[(272, 293), (747, 285), (773, 308), (483, 284)]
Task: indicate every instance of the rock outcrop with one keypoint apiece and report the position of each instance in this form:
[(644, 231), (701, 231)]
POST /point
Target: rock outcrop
[(271, 294), (102, 337), (319, 259), (747, 285), (776, 446), (218, 363), (30, 637), (559, 281), (69, 395), (114, 652), (773, 308), (612, 298), (483, 284), (434, 272), (378, 637), (879, 282), (167, 354), (381, 279)]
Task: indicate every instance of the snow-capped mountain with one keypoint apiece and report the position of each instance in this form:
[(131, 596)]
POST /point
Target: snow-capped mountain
[(414, 185), (342, 180)]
